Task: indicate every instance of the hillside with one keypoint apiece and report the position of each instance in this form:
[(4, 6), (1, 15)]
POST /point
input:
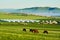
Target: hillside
[(20, 16), (43, 11)]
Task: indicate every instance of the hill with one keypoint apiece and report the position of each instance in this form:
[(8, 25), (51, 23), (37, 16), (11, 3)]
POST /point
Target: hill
[(43, 11)]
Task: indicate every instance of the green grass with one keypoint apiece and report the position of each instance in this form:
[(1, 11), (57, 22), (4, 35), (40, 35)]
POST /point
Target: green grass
[(26, 17), (16, 16), (14, 32)]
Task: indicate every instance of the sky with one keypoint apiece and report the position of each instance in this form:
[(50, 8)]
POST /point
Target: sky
[(18, 4)]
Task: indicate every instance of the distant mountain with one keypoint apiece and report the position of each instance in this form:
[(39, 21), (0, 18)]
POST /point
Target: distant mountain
[(44, 11)]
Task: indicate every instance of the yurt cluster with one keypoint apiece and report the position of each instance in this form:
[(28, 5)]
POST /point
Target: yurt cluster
[(32, 21)]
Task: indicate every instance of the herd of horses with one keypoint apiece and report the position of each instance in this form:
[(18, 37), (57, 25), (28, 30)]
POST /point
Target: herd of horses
[(35, 30)]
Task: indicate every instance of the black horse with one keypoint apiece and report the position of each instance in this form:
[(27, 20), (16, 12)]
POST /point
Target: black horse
[(45, 31), (24, 29), (31, 30)]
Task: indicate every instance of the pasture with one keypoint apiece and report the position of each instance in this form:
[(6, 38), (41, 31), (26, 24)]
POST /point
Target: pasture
[(14, 31), (24, 17)]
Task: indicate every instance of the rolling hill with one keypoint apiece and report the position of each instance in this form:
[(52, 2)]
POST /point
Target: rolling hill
[(43, 11)]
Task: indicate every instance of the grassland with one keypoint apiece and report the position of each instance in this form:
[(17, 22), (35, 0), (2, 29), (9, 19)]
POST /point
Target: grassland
[(13, 31), (18, 16)]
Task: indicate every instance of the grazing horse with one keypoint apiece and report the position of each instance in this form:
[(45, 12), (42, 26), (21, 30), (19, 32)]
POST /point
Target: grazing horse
[(24, 29), (34, 30), (45, 31), (31, 30)]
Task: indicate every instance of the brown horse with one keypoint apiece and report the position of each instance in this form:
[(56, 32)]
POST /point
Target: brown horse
[(34, 30)]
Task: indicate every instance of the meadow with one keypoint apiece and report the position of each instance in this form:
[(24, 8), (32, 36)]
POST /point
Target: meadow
[(21, 16), (14, 31)]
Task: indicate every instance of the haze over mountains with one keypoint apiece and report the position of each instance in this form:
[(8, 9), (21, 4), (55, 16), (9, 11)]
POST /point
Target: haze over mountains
[(43, 11)]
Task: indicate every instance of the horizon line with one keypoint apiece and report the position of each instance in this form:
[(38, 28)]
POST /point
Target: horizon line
[(26, 7)]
